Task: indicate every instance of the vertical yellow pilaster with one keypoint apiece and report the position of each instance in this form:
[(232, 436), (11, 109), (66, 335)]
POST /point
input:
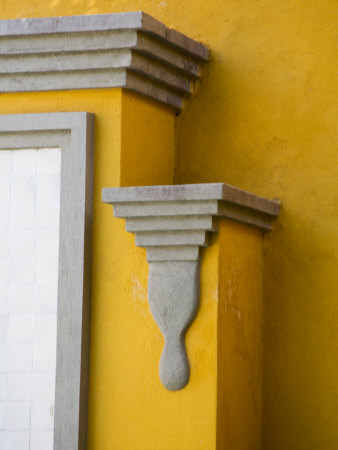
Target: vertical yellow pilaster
[(239, 338), (147, 142)]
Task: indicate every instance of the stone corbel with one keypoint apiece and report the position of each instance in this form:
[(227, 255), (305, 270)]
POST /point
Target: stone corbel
[(128, 50), (172, 223)]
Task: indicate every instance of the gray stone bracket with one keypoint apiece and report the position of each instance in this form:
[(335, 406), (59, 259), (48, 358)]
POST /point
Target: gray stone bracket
[(130, 50), (172, 223)]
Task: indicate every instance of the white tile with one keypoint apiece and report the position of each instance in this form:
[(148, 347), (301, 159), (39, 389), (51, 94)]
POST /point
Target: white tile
[(21, 270), (45, 328), (17, 415), (41, 440), (3, 300), (49, 160), (16, 440), (2, 415), (47, 243), (44, 357), (28, 295), (4, 189), (23, 188), (3, 329), (3, 357), (4, 270), (43, 387), (5, 162), (45, 300), (22, 216), (19, 357), (24, 161), (48, 187), (20, 328), (4, 213), (20, 299), (42, 416), (47, 215), (19, 386), (3, 386), (21, 243), (46, 270), (4, 240)]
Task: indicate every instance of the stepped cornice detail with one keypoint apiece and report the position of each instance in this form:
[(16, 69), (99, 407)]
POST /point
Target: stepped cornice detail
[(124, 50)]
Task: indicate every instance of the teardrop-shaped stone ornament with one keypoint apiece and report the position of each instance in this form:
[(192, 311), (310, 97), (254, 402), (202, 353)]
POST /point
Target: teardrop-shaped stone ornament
[(173, 292)]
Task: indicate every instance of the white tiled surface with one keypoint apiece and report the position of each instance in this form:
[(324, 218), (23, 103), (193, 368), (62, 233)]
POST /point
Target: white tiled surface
[(29, 241), (41, 439), (15, 440)]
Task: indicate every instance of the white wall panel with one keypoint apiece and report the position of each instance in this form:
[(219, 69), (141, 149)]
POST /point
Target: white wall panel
[(29, 243)]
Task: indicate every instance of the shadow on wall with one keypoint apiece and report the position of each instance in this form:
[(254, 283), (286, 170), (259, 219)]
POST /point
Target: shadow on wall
[(300, 317)]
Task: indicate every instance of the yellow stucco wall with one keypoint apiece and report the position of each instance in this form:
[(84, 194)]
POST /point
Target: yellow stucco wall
[(263, 119)]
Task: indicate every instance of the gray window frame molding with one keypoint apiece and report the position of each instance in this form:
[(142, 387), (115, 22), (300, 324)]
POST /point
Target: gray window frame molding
[(73, 133)]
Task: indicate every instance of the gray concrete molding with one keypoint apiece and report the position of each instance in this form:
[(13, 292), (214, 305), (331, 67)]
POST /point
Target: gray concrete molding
[(172, 223), (212, 199), (73, 133), (129, 50)]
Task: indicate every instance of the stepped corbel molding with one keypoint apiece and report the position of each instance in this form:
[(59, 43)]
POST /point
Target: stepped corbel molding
[(172, 223), (125, 50)]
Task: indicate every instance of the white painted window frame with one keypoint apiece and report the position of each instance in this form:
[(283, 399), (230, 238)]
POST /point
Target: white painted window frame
[(73, 133)]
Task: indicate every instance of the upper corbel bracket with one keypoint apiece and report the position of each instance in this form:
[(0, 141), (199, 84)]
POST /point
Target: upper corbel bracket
[(126, 50)]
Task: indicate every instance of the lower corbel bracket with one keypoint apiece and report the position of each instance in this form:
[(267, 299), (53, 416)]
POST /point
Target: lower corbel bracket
[(172, 223)]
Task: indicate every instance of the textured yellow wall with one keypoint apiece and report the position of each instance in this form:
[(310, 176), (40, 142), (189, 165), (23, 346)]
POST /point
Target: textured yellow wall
[(264, 120)]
